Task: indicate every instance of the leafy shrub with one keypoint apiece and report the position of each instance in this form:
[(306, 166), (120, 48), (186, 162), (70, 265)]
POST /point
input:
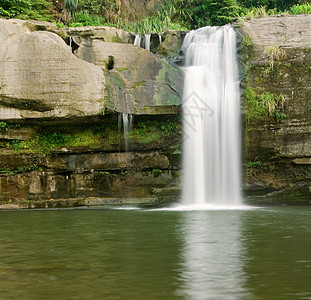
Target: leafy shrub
[(50, 140), (26, 9), (3, 125), (85, 19), (279, 5), (257, 12), (300, 9)]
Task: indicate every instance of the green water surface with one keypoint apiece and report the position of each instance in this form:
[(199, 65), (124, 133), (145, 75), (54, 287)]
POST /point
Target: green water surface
[(261, 253)]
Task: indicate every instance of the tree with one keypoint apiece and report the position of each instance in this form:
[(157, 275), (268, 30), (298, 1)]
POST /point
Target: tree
[(71, 6), (214, 12)]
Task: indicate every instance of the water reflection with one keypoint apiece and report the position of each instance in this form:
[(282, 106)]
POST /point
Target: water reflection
[(212, 256), (278, 244)]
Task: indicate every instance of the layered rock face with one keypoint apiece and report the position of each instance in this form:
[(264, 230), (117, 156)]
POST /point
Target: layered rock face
[(64, 93), (42, 79), (62, 96), (88, 164), (277, 112)]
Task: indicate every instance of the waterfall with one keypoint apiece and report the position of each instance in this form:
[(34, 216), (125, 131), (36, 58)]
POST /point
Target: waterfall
[(137, 40), (147, 41), (127, 120), (160, 39), (211, 112)]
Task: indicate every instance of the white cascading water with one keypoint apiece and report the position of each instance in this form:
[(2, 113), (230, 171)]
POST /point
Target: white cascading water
[(211, 112), (147, 41), (137, 40), (127, 121)]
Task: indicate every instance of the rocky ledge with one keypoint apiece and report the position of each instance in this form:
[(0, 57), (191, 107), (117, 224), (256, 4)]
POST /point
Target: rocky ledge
[(86, 118), (98, 71)]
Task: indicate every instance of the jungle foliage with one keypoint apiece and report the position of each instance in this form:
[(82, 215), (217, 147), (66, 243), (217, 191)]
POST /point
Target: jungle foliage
[(26, 9), (169, 14)]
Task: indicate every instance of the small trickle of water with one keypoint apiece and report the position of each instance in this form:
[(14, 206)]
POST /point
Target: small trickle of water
[(137, 40), (127, 120), (211, 112), (147, 41), (160, 39)]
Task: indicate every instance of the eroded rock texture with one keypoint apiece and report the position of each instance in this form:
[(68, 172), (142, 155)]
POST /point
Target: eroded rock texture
[(62, 96), (278, 77), (40, 77)]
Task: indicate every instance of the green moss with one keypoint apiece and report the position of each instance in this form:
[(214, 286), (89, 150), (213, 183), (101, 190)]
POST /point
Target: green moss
[(171, 77), (49, 139), (122, 69), (116, 39), (3, 125), (263, 106), (254, 164), (247, 42), (144, 138), (20, 169), (254, 110)]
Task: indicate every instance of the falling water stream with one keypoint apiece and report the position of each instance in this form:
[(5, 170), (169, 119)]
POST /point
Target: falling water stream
[(127, 121), (211, 112), (137, 40), (147, 41)]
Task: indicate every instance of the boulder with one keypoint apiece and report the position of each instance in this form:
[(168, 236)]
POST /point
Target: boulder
[(172, 42), (104, 33), (40, 78), (139, 81)]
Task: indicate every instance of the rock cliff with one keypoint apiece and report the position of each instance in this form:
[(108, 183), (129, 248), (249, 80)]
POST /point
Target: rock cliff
[(63, 94), (40, 77), (277, 93)]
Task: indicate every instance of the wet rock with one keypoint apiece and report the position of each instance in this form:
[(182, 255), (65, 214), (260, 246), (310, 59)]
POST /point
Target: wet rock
[(172, 42)]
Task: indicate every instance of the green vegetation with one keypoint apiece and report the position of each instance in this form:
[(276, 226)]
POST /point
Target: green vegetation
[(3, 125), (167, 126), (171, 14), (257, 12), (20, 169), (26, 9), (299, 9), (254, 164), (50, 139), (263, 106), (275, 54), (279, 5), (71, 6)]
